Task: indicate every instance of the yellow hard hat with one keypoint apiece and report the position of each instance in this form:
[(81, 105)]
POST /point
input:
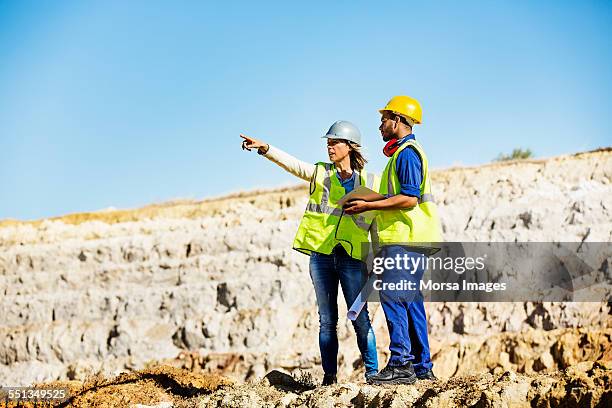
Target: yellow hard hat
[(405, 106)]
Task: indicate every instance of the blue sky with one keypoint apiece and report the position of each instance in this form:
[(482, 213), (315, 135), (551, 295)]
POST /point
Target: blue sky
[(126, 103)]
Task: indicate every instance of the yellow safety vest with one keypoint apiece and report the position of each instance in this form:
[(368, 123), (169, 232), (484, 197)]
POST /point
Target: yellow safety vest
[(324, 224), (419, 225)]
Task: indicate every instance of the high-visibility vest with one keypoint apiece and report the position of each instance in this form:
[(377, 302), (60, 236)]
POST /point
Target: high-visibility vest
[(324, 224), (419, 225)]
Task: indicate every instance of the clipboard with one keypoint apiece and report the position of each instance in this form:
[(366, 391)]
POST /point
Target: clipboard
[(361, 193)]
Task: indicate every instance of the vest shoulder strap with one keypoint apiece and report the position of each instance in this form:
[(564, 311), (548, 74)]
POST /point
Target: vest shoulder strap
[(416, 146)]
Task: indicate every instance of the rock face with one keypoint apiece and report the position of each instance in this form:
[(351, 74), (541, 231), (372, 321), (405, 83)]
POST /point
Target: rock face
[(215, 284), (530, 351)]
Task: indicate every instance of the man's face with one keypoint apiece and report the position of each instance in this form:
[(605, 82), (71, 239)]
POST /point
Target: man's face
[(388, 126), (337, 149)]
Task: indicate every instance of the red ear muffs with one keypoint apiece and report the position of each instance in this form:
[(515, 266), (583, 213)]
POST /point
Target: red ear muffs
[(390, 147)]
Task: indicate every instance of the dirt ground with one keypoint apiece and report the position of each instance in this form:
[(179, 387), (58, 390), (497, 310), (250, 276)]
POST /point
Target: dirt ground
[(586, 384), (149, 387)]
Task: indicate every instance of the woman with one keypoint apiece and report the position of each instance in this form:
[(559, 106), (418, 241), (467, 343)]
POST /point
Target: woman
[(336, 242)]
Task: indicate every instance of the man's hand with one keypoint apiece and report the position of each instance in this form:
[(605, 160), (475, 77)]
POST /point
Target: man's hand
[(356, 207), (396, 202)]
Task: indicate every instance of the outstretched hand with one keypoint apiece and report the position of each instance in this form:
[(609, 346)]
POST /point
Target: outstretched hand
[(250, 143)]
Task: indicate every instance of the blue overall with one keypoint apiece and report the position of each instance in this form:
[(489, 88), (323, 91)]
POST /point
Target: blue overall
[(404, 310)]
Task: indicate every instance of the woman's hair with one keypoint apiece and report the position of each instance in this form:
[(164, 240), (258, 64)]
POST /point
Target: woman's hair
[(358, 161)]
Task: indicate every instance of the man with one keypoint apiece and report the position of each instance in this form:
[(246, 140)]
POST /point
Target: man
[(407, 228)]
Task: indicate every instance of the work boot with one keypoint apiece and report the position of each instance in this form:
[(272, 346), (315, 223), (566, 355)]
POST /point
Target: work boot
[(427, 375), (329, 379), (395, 375), (369, 376)]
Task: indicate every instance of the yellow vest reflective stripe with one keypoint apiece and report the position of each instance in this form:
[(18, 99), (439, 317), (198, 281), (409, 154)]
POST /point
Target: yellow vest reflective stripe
[(373, 183), (420, 224), (324, 224)]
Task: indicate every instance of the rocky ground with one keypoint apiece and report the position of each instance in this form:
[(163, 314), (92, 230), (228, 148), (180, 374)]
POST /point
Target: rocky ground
[(213, 287), (586, 384)]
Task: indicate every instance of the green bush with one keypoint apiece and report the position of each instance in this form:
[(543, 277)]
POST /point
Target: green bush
[(517, 154)]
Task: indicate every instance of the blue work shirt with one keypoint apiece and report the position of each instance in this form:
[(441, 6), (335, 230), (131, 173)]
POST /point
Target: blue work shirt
[(409, 169), (348, 183)]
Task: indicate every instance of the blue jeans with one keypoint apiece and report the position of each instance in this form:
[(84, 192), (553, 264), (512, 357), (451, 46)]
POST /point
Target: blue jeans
[(326, 272), (405, 312)]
